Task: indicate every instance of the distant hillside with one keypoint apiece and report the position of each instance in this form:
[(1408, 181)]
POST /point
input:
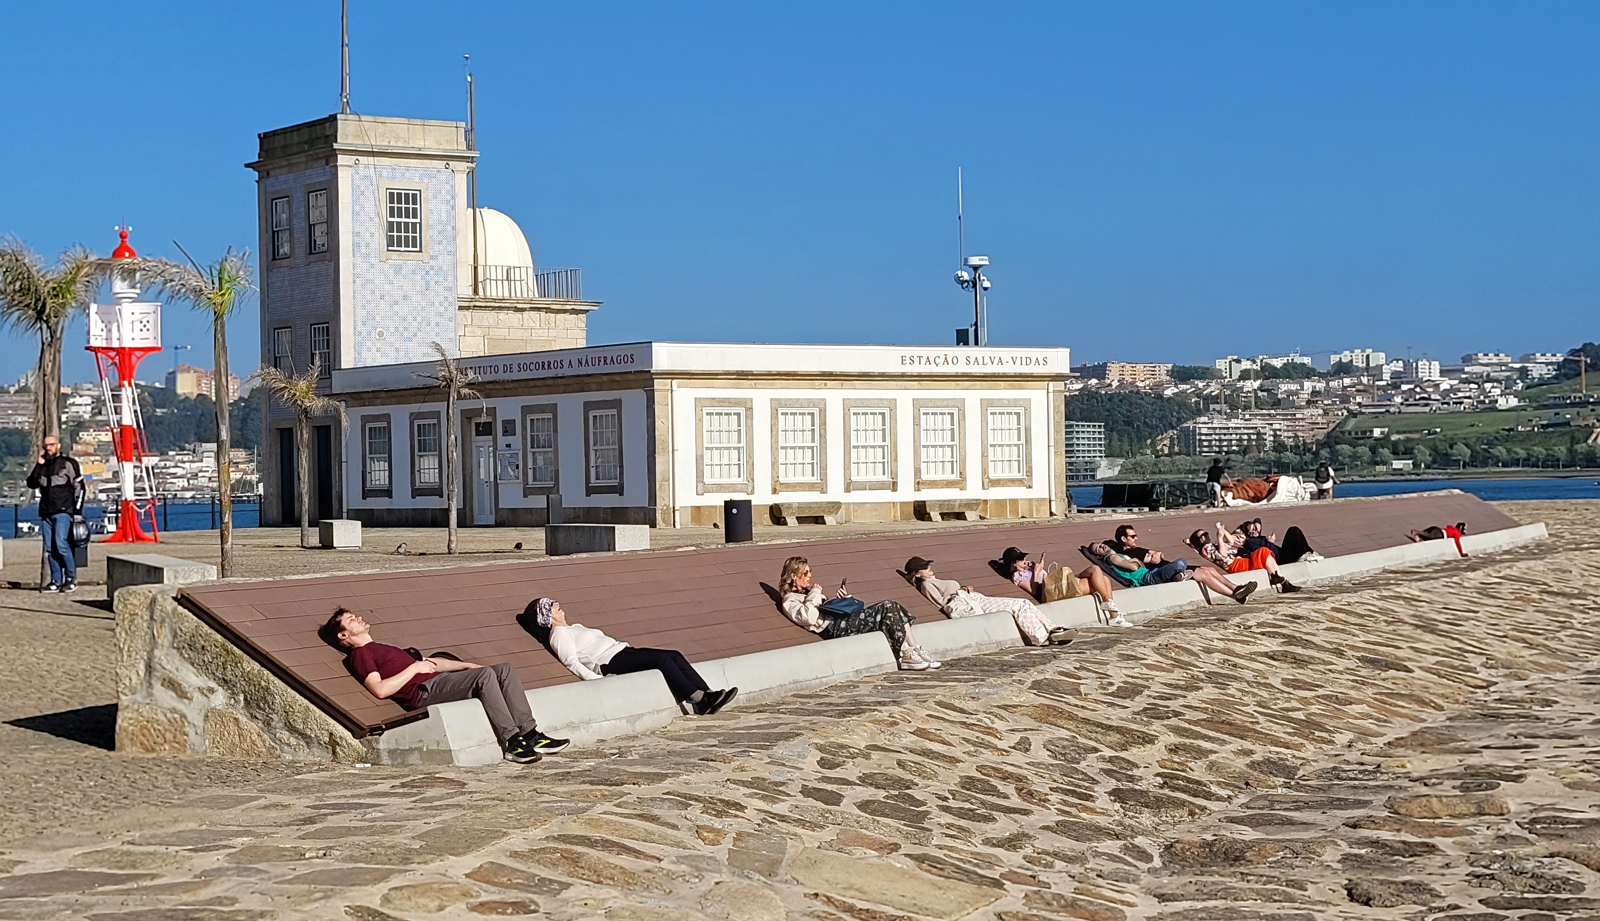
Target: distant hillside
[(1132, 420)]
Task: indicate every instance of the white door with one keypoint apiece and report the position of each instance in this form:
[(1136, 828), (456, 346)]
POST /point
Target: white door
[(483, 481)]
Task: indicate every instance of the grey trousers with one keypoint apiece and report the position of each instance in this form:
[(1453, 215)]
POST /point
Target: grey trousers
[(497, 687)]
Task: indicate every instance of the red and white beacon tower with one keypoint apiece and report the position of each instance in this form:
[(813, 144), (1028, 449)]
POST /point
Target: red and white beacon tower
[(121, 333)]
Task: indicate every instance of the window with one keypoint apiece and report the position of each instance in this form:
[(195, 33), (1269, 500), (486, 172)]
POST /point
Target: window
[(939, 445), (723, 434), (605, 447), (541, 431), (282, 236), (1006, 439), (403, 229), (425, 451), (321, 348), (282, 349), (377, 455), (869, 444), (317, 221), (797, 446)]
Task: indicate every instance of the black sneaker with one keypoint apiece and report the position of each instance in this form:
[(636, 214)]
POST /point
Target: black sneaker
[(1242, 593), (71, 585), (539, 742), (714, 701), (50, 588), (519, 751)]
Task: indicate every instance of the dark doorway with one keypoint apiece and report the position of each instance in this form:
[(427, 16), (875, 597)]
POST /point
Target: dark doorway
[(324, 462), (288, 512)]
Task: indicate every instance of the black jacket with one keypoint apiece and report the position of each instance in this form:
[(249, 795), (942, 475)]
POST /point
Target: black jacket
[(60, 484)]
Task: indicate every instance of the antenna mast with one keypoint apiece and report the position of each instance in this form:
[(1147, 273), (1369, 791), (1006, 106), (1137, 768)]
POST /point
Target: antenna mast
[(472, 174), (961, 242), (344, 57)]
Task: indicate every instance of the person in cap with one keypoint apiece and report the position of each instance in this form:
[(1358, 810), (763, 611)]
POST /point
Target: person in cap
[(957, 600), (590, 654), (1057, 583), (418, 682)]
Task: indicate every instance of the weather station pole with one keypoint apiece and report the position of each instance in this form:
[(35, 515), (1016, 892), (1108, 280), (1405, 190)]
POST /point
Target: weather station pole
[(969, 275)]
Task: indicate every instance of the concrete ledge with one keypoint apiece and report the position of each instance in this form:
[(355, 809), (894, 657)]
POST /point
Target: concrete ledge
[(339, 533), (563, 539), (125, 569), (790, 513), (590, 711)]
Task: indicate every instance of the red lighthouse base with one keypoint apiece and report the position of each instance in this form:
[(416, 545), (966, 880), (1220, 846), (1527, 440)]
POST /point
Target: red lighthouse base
[(128, 530)]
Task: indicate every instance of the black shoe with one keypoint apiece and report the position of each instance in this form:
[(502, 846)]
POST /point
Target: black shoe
[(714, 701), (1285, 586), (1242, 593), (71, 585), (50, 588), (539, 742), (519, 751)]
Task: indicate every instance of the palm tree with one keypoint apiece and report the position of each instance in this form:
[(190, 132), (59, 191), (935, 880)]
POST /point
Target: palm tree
[(40, 300), (454, 380), (216, 289), (299, 392)]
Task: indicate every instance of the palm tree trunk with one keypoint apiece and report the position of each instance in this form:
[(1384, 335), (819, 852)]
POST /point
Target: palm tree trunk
[(302, 483), (452, 471), (220, 396)]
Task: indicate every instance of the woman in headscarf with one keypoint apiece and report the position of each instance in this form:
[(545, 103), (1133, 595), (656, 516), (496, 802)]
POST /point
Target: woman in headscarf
[(590, 654)]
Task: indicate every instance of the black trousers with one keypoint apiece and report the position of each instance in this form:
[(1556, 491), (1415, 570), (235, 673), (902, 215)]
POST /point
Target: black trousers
[(681, 677), (1294, 546)]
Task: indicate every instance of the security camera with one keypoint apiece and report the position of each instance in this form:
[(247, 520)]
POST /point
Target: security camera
[(986, 284), (963, 277)]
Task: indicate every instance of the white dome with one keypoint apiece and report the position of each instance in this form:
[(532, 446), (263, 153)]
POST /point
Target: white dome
[(500, 240)]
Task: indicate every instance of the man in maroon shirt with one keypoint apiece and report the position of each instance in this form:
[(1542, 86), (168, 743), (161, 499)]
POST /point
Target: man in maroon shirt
[(390, 672)]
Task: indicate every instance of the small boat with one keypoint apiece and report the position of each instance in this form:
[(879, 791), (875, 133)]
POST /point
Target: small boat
[(27, 529)]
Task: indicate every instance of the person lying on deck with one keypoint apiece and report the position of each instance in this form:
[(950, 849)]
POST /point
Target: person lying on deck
[(1126, 543), (1047, 583), (803, 603), (1294, 548), (1226, 552), (389, 672), (957, 600), (1135, 574), (590, 654), (1451, 531)]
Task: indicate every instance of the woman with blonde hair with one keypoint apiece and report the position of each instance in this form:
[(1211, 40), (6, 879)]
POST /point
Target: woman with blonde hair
[(803, 603)]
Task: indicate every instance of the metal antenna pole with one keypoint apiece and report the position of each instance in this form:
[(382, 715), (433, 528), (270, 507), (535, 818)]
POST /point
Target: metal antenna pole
[(344, 57), (961, 242), (472, 173)]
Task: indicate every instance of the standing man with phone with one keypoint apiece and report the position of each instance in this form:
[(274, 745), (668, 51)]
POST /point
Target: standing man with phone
[(60, 483)]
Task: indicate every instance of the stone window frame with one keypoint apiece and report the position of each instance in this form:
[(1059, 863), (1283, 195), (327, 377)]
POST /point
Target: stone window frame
[(546, 409), (820, 484), (590, 487), (851, 484), (368, 491), (1026, 480), (419, 489), (286, 251), (384, 252), (701, 404), (959, 481), (313, 254)]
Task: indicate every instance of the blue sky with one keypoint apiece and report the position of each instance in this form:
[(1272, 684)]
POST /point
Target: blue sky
[(1153, 181)]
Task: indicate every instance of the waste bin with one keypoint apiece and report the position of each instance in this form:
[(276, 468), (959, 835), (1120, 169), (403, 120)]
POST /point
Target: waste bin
[(737, 524)]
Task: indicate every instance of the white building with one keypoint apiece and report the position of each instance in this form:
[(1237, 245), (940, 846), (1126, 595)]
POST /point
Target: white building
[(1486, 358), (1543, 358), (1424, 369), (660, 433), (1362, 359), (1084, 447)]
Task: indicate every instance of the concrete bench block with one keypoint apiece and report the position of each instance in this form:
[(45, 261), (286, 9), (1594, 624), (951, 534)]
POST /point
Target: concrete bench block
[(790, 513), (778, 674), (125, 569), (340, 533), (589, 711), (939, 509), (968, 636), (455, 732), (562, 539)]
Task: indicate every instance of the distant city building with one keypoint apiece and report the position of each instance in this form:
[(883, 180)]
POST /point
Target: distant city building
[(16, 410), (1130, 372), (1085, 448), (1233, 365), (1362, 359), (189, 381), (1294, 358), (1214, 437), (1424, 369), (1486, 358), (1543, 358), (1294, 426)]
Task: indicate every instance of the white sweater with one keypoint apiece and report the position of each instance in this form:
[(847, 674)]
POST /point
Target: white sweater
[(583, 650)]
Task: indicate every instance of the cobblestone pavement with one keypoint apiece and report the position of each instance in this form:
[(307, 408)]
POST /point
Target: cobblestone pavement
[(1413, 745)]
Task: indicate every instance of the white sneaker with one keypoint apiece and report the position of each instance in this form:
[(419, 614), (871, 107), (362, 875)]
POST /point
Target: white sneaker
[(930, 660), (911, 662), (1119, 621), (1312, 557)]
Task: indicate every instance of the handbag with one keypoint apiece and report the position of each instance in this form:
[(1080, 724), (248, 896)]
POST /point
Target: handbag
[(841, 608), (962, 605)]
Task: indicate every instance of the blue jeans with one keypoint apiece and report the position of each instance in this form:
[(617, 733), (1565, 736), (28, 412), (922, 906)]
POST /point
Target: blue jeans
[(1166, 572), (54, 529)]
